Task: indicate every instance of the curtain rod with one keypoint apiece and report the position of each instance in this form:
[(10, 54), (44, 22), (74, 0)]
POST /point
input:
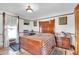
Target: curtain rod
[(56, 16)]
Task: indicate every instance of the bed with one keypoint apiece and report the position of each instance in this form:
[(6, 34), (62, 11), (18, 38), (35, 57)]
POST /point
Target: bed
[(39, 44)]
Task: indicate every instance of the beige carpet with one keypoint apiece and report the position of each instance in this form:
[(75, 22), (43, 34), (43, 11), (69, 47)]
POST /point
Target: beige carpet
[(7, 51)]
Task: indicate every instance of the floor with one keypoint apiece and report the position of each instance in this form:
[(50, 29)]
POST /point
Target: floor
[(9, 51)]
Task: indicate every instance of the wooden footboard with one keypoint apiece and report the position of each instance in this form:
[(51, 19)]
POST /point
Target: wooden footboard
[(31, 45)]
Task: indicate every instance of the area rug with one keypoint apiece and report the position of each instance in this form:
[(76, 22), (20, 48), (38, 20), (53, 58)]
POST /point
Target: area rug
[(57, 51), (15, 47)]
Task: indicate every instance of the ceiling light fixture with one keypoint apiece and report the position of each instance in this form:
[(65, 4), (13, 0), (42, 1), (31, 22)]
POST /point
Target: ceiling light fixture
[(29, 9)]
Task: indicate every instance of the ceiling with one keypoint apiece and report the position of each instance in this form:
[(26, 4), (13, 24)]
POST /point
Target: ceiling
[(41, 10)]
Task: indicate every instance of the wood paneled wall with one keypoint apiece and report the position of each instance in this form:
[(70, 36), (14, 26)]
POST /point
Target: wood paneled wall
[(47, 26)]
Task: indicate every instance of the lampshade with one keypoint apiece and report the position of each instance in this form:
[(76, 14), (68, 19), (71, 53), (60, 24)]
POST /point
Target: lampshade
[(29, 9)]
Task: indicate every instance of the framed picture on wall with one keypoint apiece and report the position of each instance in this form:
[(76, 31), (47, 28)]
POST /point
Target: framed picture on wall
[(26, 22), (35, 23), (63, 20)]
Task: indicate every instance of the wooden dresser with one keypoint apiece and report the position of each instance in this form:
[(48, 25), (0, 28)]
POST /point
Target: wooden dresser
[(63, 42), (47, 26)]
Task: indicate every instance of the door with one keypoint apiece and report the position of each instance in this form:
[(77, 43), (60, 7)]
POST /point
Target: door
[(47, 26), (77, 27)]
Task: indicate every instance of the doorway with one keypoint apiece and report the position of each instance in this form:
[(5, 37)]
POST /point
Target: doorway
[(11, 33)]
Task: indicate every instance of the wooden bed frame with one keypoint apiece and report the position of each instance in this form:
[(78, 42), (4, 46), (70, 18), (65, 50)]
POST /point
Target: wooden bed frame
[(37, 46)]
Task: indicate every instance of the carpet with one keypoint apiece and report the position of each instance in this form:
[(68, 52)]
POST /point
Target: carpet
[(57, 51)]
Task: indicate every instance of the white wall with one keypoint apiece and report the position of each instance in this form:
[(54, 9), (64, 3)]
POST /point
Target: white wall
[(70, 27), (27, 27), (30, 26), (21, 25), (35, 28)]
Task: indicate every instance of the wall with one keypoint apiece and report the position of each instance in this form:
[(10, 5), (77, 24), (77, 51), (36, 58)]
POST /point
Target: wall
[(29, 27), (70, 27), (21, 25), (1, 30), (35, 28)]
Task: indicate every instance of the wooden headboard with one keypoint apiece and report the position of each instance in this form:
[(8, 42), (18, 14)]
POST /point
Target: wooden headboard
[(47, 26)]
